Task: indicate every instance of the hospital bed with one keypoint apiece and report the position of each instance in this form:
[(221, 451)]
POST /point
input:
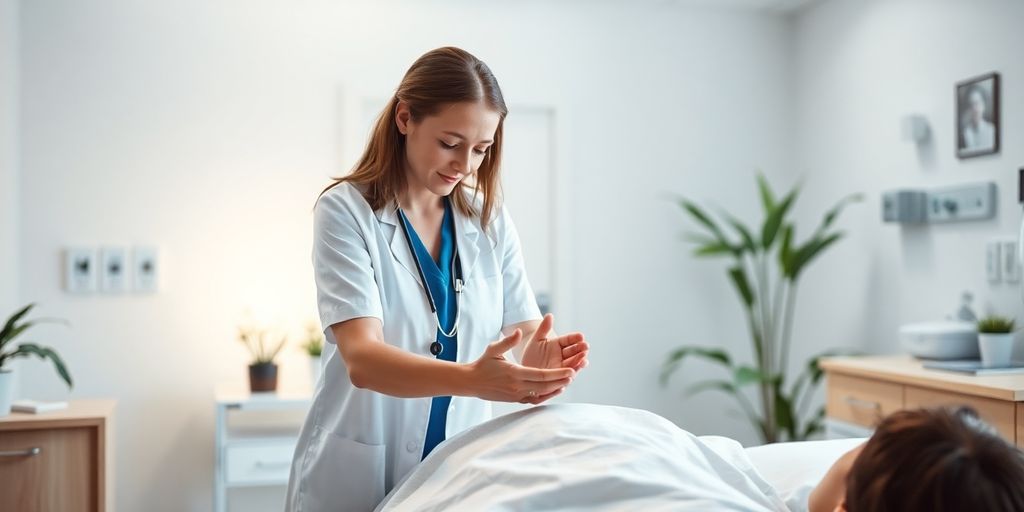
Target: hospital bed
[(568, 457)]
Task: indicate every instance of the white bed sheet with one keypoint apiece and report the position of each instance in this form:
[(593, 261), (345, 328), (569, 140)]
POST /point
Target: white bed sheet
[(601, 458)]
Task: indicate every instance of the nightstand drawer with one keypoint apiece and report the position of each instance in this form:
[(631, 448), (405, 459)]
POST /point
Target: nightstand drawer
[(49, 469), (861, 401), (259, 464), (1000, 414)]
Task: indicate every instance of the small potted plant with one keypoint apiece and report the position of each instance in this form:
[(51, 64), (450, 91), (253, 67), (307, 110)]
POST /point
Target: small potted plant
[(314, 346), (995, 340), (14, 327), (262, 370)]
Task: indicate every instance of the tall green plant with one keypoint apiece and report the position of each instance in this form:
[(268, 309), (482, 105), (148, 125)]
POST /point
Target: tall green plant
[(766, 267), (14, 327)]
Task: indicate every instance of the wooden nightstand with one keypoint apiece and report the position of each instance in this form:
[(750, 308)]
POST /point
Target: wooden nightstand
[(59, 460), (862, 390)]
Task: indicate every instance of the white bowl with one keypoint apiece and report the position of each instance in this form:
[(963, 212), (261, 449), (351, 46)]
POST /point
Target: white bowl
[(941, 340)]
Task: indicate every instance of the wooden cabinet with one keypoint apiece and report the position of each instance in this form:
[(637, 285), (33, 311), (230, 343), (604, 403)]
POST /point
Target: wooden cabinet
[(862, 390), (58, 461)]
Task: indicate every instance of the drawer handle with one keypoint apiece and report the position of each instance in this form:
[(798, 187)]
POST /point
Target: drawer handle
[(862, 404), (31, 452), (272, 465)]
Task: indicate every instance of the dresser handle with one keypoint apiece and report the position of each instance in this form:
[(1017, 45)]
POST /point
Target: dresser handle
[(862, 404), (22, 453)]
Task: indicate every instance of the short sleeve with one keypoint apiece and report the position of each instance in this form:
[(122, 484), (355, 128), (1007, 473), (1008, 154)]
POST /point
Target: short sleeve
[(520, 304), (345, 285)]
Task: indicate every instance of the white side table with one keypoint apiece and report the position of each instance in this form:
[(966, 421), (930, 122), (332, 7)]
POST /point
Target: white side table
[(254, 453)]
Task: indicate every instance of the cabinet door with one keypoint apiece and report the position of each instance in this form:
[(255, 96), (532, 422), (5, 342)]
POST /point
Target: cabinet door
[(1000, 414), (61, 477)]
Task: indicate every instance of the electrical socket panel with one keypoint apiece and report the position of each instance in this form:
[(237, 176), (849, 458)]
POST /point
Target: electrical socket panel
[(113, 269), (993, 260), (962, 202), (1010, 264), (147, 269), (80, 270)]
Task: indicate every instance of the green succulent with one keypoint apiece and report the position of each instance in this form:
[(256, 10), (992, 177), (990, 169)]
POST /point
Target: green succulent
[(995, 324)]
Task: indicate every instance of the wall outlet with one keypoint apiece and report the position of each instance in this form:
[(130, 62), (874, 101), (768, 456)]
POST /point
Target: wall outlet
[(1011, 266), (113, 269), (993, 260), (80, 270), (147, 269)]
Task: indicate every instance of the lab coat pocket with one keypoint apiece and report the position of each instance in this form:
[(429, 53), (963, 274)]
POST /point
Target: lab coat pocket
[(342, 475)]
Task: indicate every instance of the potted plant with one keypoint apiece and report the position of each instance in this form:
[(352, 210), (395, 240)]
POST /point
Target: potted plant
[(314, 346), (14, 327), (995, 340), (766, 264), (262, 370)]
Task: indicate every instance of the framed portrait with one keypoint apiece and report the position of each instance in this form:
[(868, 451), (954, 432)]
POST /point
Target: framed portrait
[(977, 116)]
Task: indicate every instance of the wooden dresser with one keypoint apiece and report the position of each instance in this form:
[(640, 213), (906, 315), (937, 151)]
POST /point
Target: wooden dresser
[(59, 461), (862, 390)]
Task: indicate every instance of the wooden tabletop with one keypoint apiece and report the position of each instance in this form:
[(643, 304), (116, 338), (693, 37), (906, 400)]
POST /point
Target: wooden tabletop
[(77, 412), (907, 370)]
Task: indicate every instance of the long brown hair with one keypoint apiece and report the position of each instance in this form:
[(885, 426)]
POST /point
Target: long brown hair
[(438, 78), (938, 460)]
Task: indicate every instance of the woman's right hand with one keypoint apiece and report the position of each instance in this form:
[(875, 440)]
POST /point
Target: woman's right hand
[(497, 379)]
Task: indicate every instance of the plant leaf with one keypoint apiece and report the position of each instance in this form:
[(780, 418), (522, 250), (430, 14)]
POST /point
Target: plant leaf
[(714, 249), (739, 280), (748, 240), (774, 219), (814, 425), (746, 375), (676, 357), (785, 416), (721, 385), (786, 258), (5, 333), (767, 198), (26, 349), (810, 250), (705, 220), (833, 214)]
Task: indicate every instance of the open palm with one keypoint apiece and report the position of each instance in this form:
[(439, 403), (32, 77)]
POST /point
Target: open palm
[(544, 351)]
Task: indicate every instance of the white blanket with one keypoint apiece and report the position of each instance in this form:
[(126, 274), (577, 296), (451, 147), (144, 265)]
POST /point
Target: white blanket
[(571, 457)]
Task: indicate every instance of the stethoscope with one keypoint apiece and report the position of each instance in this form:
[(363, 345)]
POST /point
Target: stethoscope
[(457, 283)]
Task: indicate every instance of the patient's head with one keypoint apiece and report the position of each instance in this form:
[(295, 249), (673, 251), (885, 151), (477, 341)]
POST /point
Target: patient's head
[(936, 460)]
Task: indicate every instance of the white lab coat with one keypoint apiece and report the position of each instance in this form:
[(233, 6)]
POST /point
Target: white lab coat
[(356, 444)]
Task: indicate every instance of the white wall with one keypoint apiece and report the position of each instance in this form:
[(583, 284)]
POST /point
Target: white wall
[(8, 155), (208, 128), (860, 67)]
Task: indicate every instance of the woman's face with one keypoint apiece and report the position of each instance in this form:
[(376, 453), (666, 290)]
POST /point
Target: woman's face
[(443, 149)]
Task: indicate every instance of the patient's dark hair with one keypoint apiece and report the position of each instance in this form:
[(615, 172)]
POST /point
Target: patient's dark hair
[(936, 460)]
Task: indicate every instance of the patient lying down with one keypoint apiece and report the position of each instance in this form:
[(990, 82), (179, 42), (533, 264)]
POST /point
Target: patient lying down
[(589, 457), (933, 460)]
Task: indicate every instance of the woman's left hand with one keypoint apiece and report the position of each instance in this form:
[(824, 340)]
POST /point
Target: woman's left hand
[(544, 350)]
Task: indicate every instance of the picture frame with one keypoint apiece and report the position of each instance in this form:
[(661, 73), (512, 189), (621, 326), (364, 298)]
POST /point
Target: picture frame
[(977, 116)]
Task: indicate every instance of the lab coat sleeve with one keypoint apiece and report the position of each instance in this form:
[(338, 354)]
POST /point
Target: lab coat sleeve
[(520, 304), (345, 285)]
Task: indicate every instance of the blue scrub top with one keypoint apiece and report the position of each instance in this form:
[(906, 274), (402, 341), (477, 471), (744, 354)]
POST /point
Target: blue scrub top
[(439, 279)]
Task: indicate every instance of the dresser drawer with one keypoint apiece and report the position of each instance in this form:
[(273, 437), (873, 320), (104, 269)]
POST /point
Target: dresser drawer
[(259, 464), (49, 469), (861, 401), (1000, 414)]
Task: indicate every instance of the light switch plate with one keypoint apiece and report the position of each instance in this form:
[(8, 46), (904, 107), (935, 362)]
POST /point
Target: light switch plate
[(80, 270), (113, 269), (993, 261), (1011, 267), (147, 269)]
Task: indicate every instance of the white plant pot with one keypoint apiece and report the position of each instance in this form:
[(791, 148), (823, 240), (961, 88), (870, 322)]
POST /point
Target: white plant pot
[(314, 369), (6, 391), (996, 349)]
